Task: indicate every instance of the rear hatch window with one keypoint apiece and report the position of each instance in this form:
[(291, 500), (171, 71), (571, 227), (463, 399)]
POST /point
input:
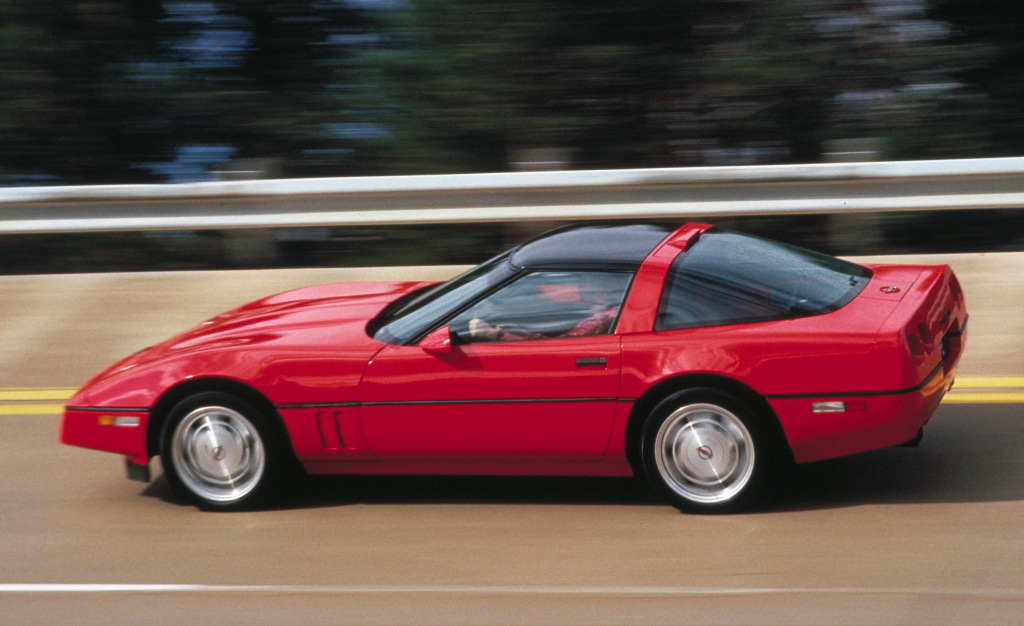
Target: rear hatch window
[(732, 278)]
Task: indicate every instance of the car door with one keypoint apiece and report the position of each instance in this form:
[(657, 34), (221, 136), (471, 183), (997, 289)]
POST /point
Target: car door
[(543, 392)]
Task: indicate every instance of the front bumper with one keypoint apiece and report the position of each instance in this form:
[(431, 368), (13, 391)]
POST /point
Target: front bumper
[(122, 431)]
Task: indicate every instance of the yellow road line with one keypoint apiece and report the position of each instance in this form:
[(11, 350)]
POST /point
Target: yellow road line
[(31, 395), (33, 401), (979, 390), (983, 398), (31, 409), (989, 382), (968, 390)]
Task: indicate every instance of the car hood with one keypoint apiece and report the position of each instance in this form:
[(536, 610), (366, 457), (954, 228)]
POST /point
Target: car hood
[(300, 317), (323, 319)]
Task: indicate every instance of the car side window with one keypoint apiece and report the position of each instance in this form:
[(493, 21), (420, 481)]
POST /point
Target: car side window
[(545, 305)]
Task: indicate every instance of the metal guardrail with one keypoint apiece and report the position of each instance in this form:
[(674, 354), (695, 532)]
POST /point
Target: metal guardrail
[(676, 193)]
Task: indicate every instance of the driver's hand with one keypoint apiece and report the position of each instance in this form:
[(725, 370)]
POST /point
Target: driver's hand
[(479, 329)]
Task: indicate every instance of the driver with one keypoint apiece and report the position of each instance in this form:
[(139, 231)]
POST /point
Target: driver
[(599, 321)]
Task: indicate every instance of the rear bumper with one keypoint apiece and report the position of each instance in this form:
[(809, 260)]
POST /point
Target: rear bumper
[(878, 420)]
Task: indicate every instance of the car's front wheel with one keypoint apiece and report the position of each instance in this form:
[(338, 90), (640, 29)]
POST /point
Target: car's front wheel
[(705, 451), (218, 451)]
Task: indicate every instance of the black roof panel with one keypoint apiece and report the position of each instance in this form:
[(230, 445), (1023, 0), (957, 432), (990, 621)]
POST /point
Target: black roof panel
[(596, 246)]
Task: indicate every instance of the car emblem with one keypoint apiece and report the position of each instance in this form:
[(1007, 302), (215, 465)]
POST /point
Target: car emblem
[(890, 289), (704, 453)]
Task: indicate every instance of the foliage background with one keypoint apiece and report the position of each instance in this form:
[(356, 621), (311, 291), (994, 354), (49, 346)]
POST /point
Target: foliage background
[(119, 91)]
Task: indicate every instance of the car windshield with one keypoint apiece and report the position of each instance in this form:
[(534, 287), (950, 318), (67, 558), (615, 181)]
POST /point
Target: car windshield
[(731, 278), (408, 319)]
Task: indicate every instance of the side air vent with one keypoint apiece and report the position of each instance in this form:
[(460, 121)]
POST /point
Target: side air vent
[(330, 430)]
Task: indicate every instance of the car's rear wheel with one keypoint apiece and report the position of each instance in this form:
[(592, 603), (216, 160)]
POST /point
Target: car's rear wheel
[(218, 451), (705, 451)]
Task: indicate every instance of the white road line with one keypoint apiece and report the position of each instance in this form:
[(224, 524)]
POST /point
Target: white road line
[(59, 588)]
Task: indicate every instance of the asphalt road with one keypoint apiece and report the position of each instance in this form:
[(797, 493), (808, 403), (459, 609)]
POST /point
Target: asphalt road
[(932, 535), (899, 536)]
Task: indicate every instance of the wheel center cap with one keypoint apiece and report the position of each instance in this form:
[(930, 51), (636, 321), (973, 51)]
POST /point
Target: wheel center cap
[(704, 452), (217, 453)]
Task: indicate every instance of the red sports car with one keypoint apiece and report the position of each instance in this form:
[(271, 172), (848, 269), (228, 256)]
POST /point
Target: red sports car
[(701, 359)]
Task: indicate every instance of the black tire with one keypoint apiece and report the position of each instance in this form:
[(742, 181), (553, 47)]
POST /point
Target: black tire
[(706, 451), (221, 453)]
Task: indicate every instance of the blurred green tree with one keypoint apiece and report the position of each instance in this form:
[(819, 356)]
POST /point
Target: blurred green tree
[(129, 91), (268, 79), (72, 109), (972, 105), (469, 86), (479, 86)]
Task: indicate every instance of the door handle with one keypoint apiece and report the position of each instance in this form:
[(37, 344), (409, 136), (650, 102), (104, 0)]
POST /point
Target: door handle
[(590, 361)]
